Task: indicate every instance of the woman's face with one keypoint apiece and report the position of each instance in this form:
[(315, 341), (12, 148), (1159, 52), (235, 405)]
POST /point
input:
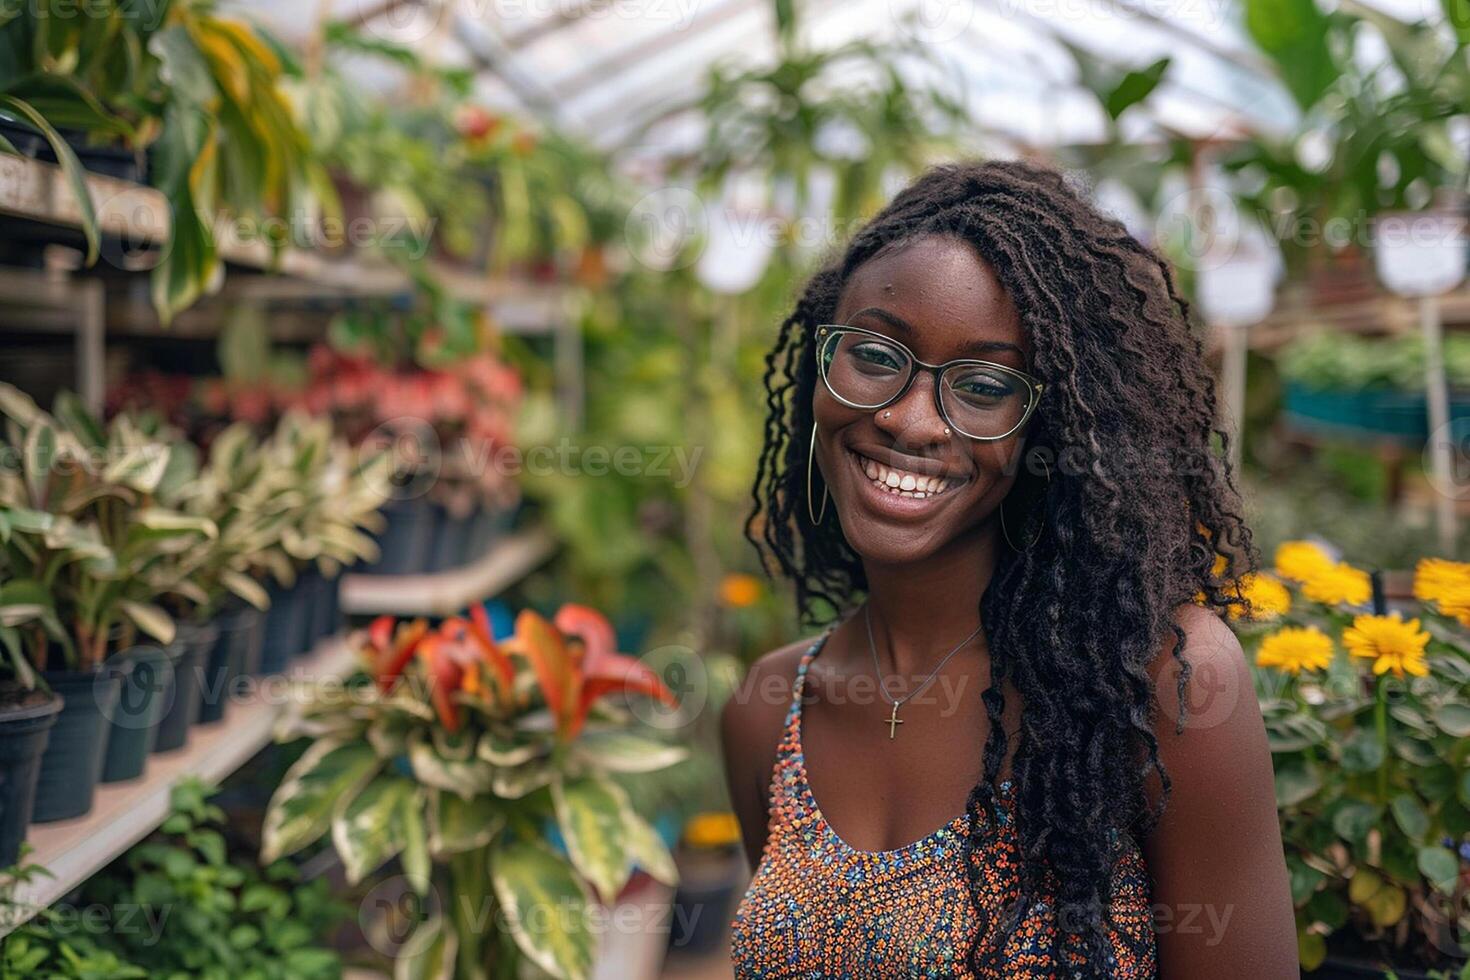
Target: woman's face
[(939, 299)]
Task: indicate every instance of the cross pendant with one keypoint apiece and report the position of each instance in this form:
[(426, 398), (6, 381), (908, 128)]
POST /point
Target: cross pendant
[(893, 721)]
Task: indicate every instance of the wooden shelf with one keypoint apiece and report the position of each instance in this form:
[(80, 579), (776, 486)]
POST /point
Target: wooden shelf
[(124, 813), (447, 593), (38, 191)]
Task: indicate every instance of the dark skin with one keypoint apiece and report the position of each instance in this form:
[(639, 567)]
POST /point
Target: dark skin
[(1221, 898)]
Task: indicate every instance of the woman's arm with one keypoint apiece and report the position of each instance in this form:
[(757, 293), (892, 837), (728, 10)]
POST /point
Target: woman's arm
[(750, 729), (1221, 899)]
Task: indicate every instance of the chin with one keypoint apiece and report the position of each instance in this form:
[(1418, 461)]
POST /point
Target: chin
[(899, 516)]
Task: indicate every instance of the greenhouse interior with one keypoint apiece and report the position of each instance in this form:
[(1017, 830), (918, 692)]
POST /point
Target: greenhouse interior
[(412, 549)]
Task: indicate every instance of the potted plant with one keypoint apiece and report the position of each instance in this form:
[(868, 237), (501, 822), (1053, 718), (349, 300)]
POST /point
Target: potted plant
[(462, 757), (90, 533), (1366, 715), (27, 708)]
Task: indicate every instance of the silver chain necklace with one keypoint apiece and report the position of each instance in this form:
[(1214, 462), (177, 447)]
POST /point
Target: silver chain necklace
[(893, 721)]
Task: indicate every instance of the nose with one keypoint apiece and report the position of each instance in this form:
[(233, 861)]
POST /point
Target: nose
[(913, 422)]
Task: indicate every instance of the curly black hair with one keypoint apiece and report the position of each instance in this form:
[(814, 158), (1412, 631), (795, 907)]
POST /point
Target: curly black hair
[(1122, 525)]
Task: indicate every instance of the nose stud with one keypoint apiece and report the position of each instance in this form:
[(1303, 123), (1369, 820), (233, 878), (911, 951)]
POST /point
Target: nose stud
[(946, 430), (888, 415)]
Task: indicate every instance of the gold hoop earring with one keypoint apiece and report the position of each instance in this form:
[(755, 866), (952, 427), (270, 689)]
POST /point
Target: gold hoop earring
[(1005, 531), (816, 517)]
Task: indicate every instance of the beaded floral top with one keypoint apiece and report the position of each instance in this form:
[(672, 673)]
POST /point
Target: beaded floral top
[(818, 907)]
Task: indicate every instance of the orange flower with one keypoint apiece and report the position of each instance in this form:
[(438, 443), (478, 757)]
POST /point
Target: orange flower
[(576, 663), (739, 591)]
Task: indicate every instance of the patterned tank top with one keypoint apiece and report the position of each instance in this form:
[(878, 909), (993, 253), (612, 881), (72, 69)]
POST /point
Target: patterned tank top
[(817, 907)]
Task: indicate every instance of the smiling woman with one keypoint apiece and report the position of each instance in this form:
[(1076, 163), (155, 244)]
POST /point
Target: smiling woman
[(991, 433)]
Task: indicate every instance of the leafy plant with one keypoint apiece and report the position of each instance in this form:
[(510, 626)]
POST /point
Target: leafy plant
[(84, 534), (1367, 720), (458, 756), (220, 919), (1373, 135), (204, 91), (1329, 359)]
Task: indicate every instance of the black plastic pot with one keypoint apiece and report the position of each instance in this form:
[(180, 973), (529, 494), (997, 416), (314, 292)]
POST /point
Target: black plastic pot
[(110, 160), (285, 628), (25, 727), (406, 538), (323, 619), (28, 142), (236, 653), (142, 699), (72, 762), (447, 549), (334, 605), (193, 641), (703, 901)]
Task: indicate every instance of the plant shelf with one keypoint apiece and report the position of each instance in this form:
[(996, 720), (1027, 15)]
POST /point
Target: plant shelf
[(38, 191), (449, 592), (34, 190), (124, 813)]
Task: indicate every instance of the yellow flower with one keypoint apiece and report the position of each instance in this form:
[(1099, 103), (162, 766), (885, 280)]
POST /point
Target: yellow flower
[(1294, 649), (1339, 584), (1221, 563), (1299, 560), (1268, 598), (1389, 642), (1446, 584), (712, 830), (740, 590)]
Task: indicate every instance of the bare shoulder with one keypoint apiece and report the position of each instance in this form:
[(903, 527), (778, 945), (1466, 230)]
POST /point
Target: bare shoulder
[(753, 717), (750, 728), (1217, 743)]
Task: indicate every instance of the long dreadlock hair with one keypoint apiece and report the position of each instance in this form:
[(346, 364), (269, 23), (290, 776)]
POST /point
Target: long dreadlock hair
[(1138, 504)]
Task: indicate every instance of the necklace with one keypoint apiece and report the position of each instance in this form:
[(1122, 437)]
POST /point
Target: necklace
[(893, 721)]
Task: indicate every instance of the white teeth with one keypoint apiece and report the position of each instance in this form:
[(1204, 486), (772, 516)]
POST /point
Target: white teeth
[(905, 484)]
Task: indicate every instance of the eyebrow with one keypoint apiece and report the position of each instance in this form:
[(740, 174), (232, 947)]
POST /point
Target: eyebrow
[(903, 326)]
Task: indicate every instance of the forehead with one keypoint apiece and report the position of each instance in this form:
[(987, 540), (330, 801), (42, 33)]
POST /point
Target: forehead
[(944, 290)]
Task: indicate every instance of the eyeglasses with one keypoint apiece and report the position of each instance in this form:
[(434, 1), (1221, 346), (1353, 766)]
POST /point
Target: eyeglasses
[(979, 399)]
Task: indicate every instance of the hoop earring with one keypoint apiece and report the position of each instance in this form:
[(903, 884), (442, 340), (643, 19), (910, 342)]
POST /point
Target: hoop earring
[(1005, 531), (816, 517)]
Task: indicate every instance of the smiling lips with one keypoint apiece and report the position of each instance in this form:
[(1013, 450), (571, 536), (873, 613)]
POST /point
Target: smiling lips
[(904, 483)]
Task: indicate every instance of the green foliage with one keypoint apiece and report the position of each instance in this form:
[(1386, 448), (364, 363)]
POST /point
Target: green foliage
[(1374, 812), (1324, 359), (221, 920), (1383, 129), (462, 777)]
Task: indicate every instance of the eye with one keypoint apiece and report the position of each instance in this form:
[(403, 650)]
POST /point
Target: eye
[(876, 357), (982, 387)]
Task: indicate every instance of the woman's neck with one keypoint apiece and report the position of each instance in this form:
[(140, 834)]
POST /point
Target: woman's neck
[(920, 611)]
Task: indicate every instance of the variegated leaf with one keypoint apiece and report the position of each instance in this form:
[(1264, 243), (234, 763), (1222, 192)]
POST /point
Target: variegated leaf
[(591, 821), (300, 810), (545, 907)]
